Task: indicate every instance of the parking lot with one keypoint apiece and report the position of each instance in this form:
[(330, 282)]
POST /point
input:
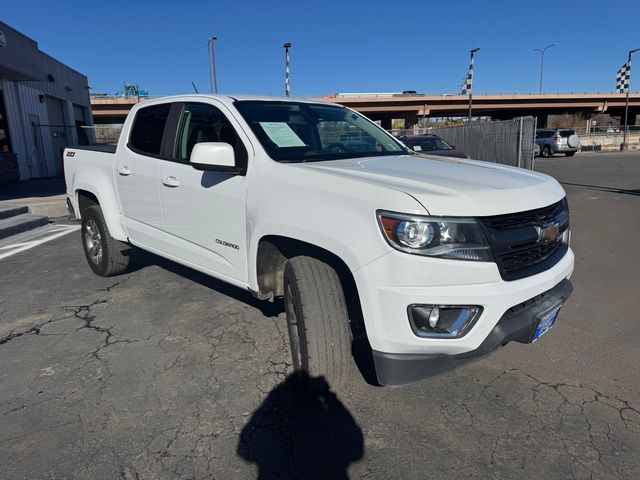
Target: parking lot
[(166, 373)]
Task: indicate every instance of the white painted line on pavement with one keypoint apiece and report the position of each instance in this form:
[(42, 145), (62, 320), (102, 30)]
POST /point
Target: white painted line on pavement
[(59, 231)]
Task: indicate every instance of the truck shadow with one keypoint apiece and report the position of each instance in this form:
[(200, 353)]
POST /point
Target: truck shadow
[(142, 259), (301, 430), (360, 348)]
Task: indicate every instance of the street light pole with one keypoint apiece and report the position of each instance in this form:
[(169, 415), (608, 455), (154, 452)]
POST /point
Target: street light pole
[(624, 145), (542, 50), (287, 85), (213, 81), (209, 59), (473, 51)]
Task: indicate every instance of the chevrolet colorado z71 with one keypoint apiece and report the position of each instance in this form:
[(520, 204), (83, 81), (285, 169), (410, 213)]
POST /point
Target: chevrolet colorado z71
[(433, 260)]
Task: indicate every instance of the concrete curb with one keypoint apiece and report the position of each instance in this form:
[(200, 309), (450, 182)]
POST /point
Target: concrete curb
[(54, 206)]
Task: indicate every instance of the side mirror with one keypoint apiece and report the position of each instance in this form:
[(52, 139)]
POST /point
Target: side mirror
[(213, 156)]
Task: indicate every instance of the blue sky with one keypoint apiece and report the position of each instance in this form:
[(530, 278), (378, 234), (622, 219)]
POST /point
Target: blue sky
[(338, 46)]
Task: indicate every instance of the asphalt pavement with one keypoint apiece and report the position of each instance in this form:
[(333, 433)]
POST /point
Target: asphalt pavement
[(165, 373)]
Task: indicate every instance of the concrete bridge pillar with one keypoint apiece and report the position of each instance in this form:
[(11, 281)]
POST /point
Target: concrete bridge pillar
[(410, 120), (542, 120), (385, 122)]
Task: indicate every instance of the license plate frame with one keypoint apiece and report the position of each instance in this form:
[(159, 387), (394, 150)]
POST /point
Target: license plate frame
[(545, 321)]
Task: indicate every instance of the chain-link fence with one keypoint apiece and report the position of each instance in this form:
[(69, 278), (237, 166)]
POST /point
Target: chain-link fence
[(99, 134), (509, 142)]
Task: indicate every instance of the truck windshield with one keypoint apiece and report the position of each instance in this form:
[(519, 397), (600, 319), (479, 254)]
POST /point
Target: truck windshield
[(307, 132)]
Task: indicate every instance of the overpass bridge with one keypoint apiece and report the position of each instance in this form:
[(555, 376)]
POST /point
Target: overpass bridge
[(112, 109), (411, 107), (384, 107)]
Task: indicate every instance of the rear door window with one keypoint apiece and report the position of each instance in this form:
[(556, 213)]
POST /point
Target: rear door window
[(567, 133), (148, 128)]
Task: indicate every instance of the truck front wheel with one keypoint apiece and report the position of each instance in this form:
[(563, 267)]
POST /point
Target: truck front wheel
[(317, 320), (105, 255)]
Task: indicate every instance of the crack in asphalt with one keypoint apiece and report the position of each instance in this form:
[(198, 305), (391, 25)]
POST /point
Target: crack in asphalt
[(584, 395), (116, 284), (34, 330)]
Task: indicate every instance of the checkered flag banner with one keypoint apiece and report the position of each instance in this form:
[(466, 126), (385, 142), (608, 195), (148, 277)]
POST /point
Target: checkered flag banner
[(468, 82), (287, 85), (622, 78)]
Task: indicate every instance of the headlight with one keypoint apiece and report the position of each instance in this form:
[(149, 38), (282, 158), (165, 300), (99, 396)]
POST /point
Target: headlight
[(455, 238)]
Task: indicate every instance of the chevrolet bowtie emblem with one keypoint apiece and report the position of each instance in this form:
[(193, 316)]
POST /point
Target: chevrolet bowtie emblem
[(548, 232)]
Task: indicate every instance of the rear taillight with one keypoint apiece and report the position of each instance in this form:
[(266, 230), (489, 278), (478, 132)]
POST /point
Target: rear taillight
[(558, 138)]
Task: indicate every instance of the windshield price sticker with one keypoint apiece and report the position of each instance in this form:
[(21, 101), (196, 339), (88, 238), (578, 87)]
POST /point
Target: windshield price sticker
[(281, 134)]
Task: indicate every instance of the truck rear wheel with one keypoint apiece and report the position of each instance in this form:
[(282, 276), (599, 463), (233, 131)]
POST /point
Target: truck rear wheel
[(317, 320), (105, 255)]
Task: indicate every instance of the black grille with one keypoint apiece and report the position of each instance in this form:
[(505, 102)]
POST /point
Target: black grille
[(522, 219), (525, 256), (515, 243)]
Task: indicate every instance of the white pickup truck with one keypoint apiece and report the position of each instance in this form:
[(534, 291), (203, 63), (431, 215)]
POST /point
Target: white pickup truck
[(433, 260)]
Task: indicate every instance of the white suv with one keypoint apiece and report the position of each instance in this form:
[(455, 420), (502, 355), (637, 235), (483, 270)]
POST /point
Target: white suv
[(557, 140)]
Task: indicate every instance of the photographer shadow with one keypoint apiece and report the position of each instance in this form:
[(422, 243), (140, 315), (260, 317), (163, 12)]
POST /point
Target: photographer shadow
[(301, 430)]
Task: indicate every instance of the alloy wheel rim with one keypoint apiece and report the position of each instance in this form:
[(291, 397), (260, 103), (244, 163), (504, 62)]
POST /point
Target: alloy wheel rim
[(93, 242)]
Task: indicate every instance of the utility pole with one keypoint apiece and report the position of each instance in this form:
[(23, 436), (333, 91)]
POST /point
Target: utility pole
[(542, 50), (624, 145), (213, 80), (287, 85), (473, 51)]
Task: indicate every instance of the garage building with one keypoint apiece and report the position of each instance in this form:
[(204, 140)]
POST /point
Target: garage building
[(43, 106)]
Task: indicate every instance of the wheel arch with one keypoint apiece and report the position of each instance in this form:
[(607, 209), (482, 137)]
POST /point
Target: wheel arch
[(87, 195), (85, 200), (273, 251)]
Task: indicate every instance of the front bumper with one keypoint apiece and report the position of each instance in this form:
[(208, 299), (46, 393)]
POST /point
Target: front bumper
[(396, 280), (517, 324)]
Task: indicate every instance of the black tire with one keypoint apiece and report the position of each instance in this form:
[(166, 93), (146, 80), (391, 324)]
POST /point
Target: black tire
[(570, 154), (105, 255), (317, 320), (546, 151)]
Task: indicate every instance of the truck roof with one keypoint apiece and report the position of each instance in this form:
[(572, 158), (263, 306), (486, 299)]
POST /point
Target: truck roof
[(230, 98)]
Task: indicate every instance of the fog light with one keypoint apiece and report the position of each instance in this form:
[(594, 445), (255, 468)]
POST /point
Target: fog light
[(442, 321), (434, 316)]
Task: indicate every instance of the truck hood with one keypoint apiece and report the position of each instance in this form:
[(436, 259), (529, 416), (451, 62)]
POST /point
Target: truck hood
[(451, 186)]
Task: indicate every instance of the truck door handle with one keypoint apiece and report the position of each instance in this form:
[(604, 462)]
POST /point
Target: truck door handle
[(170, 181), (124, 170)]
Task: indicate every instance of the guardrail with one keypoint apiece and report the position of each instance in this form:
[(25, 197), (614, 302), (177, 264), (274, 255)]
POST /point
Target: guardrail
[(610, 137)]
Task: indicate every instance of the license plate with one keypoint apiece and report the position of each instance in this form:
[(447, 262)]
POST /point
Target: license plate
[(545, 323)]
